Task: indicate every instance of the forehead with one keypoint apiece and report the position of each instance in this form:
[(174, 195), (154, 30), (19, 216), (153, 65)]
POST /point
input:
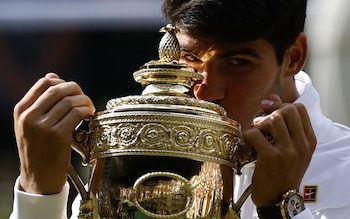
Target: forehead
[(201, 46), (187, 42)]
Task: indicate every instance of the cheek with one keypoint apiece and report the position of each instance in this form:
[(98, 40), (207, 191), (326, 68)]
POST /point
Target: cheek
[(243, 100), (248, 87)]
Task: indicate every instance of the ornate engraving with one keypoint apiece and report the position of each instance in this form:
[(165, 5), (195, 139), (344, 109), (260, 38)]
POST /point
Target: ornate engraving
[(164, 134), (154, 135), (183, 137), (144, 101), (209, 142)]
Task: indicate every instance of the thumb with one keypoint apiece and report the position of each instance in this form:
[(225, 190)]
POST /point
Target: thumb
[(268, 105), (271, 103)]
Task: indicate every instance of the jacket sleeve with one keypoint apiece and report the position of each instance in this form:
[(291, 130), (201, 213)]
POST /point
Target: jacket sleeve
[(306, 214), (34, 206)]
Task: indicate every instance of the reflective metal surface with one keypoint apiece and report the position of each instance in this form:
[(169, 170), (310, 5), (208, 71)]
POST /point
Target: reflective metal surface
[(161, 154)]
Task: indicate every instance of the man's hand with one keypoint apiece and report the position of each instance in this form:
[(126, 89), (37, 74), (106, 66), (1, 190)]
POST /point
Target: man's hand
[(284, 141), (44, 121)]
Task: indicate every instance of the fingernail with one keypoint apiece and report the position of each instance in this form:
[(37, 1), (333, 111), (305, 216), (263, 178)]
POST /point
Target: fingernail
[(267, 102)]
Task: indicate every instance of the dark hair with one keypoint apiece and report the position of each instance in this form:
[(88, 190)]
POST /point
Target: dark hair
[(277, 21)]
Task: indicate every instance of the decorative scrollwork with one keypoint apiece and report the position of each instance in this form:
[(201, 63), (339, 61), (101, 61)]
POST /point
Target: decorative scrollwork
[(154, 135), (127, 134), (183, 137), (208, 142), (228, 143), (164, 134)]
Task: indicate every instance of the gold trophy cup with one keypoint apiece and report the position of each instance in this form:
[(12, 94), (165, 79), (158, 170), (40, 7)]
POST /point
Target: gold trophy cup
[(161, 154)]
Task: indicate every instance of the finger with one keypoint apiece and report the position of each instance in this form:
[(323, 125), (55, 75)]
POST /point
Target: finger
[(275, 129), (296, 120), (73, 117), (293, 120), (66, 104), (287, 125), (35, 92), (255, 138), (51, 75), (54, 94)]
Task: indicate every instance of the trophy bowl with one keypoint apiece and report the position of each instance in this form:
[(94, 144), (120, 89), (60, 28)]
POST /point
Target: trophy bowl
[(161, 154)]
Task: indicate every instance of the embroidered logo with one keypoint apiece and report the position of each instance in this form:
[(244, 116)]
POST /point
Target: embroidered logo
[(310, 194)]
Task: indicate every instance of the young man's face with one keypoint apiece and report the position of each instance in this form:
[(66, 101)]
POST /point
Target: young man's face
[(236, 76)]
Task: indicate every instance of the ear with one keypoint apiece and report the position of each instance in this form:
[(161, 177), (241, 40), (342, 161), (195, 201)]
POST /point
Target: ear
[(296, 55)]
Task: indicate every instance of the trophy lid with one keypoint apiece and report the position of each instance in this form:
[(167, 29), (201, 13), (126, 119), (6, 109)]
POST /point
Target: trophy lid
[(167, 81)]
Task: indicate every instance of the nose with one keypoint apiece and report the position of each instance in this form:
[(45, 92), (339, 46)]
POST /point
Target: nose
[(211, 87)]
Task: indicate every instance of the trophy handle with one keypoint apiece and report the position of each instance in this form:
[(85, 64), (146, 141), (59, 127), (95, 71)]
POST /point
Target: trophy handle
[(80, 145)]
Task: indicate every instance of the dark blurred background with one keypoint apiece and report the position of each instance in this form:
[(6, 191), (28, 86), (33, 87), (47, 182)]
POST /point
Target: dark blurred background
[(98, 44)]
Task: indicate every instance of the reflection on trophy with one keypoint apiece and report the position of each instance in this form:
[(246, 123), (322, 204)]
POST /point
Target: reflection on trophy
[(161, 154)]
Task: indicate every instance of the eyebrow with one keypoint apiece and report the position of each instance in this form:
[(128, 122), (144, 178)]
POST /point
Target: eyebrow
[(232, 52), (189, 51), (184, 49), (240, 51)]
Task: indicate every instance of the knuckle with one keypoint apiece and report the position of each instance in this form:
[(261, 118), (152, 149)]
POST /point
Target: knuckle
[(78, 112), (74, 85), (289, 109), (276, 116), (26, 118), (250, 133), (300, 106), (52, 90), (44, 82), (253, 136), (68, 101), (18, 109)]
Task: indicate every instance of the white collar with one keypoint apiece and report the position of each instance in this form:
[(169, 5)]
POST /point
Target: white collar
[(310, 98)]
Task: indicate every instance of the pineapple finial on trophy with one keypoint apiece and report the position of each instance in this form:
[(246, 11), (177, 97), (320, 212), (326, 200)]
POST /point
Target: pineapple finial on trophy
[(169, 48), (167, 76)]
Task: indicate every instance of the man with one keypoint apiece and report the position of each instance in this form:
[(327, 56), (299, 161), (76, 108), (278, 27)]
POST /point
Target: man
[(251, 54)]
